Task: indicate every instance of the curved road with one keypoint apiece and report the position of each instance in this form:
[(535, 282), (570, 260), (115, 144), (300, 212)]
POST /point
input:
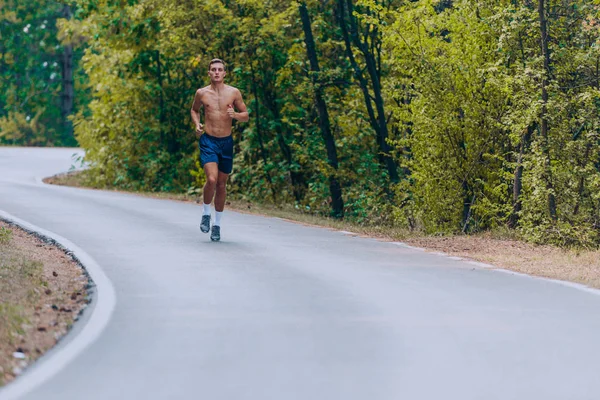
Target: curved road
[(282, 311)]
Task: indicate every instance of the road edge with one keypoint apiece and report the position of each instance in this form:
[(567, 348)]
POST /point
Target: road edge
[(491, 267), (103, 300)]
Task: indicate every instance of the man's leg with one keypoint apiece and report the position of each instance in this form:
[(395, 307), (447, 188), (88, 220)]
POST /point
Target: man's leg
[(219, 205), (211, 170), (221, 191)]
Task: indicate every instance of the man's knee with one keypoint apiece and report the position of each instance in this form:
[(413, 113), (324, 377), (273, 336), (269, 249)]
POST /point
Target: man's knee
[(211, 180), (221, 185)]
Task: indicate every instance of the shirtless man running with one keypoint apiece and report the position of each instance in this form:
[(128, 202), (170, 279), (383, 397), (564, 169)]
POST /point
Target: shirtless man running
[(222, 104)]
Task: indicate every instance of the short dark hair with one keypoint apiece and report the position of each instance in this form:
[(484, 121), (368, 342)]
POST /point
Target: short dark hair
[(216, 61)]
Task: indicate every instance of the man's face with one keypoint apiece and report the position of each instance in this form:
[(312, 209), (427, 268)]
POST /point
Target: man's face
[(217, 72)]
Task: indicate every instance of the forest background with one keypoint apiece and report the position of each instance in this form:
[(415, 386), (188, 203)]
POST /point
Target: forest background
[(436, 116)]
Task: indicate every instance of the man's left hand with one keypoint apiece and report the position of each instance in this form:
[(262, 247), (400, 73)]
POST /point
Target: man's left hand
[(231, 111)]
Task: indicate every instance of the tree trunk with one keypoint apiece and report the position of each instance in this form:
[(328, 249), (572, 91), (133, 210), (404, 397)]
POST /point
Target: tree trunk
[(518, 179), (544, 113), (259, 136), (161, 97), (383, 132), (172, 144), (2, 70), (296, 177), (337, 202), (68, 90), (378, 122), (581, 185)]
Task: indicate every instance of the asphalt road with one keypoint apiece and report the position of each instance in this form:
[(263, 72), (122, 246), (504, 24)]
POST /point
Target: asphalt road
[(282, 311)]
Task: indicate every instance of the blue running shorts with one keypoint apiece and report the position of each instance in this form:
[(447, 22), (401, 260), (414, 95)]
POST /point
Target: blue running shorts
[(216, 149)]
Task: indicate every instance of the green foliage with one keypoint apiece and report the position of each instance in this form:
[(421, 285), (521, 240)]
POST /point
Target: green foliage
[(455, 87), (452, 122), (5, 235), (467, 85), (31, 60)]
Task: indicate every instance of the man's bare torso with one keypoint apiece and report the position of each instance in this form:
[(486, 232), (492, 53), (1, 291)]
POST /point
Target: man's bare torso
[(217, 121)]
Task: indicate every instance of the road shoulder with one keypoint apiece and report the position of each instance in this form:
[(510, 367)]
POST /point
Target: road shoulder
[(43, 291)]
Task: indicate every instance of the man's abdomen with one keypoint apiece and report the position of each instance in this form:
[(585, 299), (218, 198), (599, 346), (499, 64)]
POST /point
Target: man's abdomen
[(217, 124)]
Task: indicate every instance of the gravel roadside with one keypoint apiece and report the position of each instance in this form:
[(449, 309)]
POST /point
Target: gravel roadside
[(43, 290)]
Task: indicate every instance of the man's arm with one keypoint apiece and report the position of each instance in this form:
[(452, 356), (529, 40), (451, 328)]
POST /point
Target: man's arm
[(242, 114), (195, 111)]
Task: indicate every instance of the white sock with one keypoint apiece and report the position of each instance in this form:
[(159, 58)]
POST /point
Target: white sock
[(218, 215), (206, 209)]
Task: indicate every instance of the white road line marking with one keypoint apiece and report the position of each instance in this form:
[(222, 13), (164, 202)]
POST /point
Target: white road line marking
[(572, 285), (408, 246)]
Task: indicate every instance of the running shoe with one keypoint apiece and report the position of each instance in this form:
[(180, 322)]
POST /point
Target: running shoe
[(215, 234), (205, 224)]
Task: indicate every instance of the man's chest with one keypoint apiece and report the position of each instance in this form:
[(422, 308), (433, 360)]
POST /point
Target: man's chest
[(217, 102)]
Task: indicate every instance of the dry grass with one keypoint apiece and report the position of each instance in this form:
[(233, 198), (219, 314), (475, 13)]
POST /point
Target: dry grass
[(502, 249), (581, 266), (42, 291), (73, 178)]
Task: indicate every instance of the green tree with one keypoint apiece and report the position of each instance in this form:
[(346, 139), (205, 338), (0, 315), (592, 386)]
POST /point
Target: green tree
[(337, 202), (35, 73)]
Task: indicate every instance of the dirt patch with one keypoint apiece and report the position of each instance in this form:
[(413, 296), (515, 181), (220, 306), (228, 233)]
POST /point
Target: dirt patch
[(42, 292), (71, 178)]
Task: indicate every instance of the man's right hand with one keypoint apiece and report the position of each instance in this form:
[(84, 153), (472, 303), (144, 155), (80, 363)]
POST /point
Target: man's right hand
[(199, 130)]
